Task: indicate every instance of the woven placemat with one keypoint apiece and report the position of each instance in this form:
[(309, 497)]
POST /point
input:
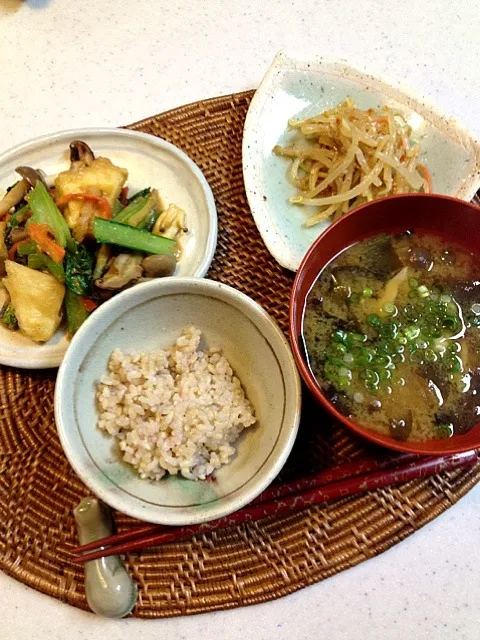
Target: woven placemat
[(248, 564)]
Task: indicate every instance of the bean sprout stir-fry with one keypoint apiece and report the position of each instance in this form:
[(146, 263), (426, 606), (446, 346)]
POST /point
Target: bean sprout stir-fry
[(346, 156)]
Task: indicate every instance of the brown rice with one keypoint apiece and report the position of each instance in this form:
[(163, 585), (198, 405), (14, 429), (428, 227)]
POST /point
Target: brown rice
[(178, 410)]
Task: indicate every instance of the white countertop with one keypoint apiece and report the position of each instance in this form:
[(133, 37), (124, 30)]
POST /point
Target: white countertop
[(67, 64)]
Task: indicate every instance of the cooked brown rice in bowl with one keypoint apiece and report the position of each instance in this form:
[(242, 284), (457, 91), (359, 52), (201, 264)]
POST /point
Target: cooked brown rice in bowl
[(177, 410)]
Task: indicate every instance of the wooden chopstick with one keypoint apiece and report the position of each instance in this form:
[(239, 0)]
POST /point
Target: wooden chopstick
[(365, 464), (419, 468)]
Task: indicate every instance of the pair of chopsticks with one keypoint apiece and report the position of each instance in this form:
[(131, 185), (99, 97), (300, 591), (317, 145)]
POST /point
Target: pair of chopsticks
[(344, 480)]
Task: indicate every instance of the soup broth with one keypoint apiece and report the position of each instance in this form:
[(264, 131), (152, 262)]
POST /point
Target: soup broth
[(392, 334)]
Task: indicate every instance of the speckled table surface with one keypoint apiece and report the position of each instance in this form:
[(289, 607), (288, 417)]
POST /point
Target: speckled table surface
[(69, 64)]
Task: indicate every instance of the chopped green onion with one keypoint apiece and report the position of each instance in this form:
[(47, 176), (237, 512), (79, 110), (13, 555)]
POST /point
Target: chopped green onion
[(421, 344), (444, 430), (454, 347), (413, 283), (389, 308), (354, 339), (374, 320), (361, 356), (339, 336), (411, 332), (423, 291), (450, 323), (368, 293), (456, 365), (451, 309)]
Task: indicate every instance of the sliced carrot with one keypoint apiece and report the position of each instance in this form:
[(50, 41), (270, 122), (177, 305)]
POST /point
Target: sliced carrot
[(42, 234), (13, 249), (89, 304), (425, 173), (106, 209)]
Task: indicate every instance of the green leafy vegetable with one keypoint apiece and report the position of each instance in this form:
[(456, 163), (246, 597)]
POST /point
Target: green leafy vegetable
[(26, 248), (79, 270), (19, 216), (149, 221), (9, 318), (45, 211), (124, 235), (140, 194), (75, 311), (117, 207), (131, 211), (103, 256), (42, 261)]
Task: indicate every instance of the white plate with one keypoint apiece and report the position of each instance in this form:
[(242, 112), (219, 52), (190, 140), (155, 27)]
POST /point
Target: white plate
[(296, 87), (150, 161)]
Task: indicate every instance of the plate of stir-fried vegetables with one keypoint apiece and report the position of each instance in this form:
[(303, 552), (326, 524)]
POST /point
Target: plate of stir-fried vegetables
[(85, 215)]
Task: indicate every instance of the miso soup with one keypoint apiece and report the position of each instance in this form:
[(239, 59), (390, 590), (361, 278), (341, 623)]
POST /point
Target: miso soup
[(392, 334)]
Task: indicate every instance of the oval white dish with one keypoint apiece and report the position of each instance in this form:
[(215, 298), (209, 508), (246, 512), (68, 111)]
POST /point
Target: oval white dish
[(150, 161), (302, 87)]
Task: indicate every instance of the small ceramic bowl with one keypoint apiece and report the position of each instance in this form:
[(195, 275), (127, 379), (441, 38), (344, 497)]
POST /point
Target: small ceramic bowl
[(151, 317), (454, 219), (150, 161), (298, 87)]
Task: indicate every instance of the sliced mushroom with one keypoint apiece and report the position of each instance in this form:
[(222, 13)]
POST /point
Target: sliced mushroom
[(17, 234), (32, 176), (14, 196), (81, 152), (3, 248), (159, 266), (123, 270)]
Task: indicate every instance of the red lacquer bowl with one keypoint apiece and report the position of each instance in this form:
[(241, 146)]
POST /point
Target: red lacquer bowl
[(454, 219)]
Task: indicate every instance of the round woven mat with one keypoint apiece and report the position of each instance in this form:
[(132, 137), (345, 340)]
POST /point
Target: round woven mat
[(248, 564)]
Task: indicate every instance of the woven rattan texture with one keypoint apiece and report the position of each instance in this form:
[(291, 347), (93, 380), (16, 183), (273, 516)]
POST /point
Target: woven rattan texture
[(251, 563)]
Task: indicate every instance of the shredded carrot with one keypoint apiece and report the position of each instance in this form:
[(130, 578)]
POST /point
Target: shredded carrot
[(42, 235), (425, 173), (103, 203), (13, 249), (89, 304)]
